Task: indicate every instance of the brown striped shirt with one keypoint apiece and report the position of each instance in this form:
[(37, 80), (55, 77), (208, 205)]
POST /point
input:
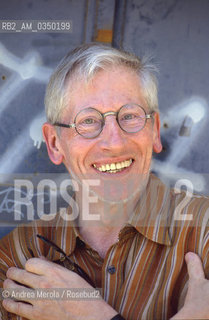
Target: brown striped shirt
[(143, 275)]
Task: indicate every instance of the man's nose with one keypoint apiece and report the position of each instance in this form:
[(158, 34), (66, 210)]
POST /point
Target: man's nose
[(112, 136)]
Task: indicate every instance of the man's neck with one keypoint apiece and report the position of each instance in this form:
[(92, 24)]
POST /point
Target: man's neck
[(105, 221)]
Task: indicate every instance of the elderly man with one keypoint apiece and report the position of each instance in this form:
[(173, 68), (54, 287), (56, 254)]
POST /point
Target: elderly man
[(103, 124)]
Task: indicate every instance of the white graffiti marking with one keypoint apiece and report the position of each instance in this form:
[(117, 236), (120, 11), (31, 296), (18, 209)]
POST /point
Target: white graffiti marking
[(8, 203), (28, 68), (35, 130), (189, 119), (24, 70)]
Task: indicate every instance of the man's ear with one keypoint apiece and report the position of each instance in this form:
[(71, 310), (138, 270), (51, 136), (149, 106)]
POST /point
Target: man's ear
[(157, 145), (52, 142)]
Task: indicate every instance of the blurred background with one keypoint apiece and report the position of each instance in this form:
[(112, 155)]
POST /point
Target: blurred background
[(174, 32)]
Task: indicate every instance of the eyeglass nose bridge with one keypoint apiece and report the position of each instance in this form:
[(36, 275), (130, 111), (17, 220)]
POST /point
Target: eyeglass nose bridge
[(110, 113)]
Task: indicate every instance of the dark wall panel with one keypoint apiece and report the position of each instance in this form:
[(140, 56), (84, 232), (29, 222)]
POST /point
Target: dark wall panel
[(175, 32)]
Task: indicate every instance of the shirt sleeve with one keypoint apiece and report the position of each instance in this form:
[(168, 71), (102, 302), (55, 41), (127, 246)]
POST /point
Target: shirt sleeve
[(198, 239), (205, 249), (15, 249), (7, 260)]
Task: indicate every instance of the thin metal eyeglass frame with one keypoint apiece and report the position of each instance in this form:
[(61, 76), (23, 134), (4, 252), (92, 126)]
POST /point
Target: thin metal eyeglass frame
[(104, 115)]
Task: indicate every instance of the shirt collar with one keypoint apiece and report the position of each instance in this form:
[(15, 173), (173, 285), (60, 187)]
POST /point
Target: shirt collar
[(152, 215)]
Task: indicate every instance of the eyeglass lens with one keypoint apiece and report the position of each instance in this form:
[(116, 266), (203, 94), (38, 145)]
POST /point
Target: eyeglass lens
[(89, 122)]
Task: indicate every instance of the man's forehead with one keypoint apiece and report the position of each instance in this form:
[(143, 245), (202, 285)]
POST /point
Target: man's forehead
[(107, 88)]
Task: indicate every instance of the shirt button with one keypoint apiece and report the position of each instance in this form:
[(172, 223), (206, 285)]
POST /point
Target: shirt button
[(111, 269)]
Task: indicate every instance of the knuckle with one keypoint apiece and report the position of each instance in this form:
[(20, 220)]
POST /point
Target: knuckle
[(21, 277), (19, 308), (45, 284), (54, 271), (10, 271), (7, 283), (28, 263)]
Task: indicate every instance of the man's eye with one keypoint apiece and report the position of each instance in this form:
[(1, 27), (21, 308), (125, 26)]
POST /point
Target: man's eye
[(89, 121), (129, 116)]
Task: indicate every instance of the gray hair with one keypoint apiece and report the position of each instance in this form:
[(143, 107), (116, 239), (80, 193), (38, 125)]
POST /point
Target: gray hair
[(85, 61)]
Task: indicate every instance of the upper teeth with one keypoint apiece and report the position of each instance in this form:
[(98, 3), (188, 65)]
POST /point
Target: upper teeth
[(114, 167)]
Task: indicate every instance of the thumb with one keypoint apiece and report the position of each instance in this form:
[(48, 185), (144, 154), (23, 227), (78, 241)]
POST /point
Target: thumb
[(194, 266)]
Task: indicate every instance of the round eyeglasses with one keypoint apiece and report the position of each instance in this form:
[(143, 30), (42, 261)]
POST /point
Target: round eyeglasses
[(89, 122)]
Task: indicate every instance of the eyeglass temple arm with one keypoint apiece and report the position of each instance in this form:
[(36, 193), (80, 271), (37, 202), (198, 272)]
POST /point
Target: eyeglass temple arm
[(58, 124), (75, 266), (149, 116), (52, 244)]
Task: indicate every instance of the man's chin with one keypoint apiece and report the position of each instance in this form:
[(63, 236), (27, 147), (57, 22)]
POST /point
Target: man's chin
[(115, 191), (112, 190), (103, 201)]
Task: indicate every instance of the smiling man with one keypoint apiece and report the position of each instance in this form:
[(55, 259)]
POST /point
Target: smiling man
[(103, 124)]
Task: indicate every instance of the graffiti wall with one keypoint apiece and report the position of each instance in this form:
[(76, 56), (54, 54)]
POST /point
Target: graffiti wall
[(174, 32)]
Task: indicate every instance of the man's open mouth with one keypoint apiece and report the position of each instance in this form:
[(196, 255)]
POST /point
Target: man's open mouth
[(114, 167)]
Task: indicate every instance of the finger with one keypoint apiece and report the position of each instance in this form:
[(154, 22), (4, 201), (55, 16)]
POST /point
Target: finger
[(40, 266), (19, 308), (24, 277), (194, 266), (18, 292), (37, 266)]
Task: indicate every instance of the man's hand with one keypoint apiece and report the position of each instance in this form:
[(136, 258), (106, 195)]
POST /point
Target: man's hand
[(196, 304), (43, 274)]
